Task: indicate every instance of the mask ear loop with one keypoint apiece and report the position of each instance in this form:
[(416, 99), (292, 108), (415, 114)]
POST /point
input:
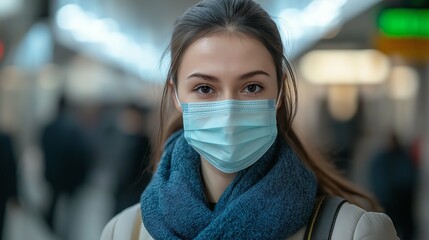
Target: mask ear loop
[(280, 94), (175, 93), (177, 96)]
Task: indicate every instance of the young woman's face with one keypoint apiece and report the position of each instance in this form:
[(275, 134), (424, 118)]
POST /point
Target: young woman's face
[(226, 66)]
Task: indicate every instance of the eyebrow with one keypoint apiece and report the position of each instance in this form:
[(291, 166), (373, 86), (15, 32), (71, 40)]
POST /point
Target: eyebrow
[(242, 77)]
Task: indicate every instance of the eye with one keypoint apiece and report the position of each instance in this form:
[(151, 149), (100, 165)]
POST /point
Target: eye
[(253, 88), (203, 89)]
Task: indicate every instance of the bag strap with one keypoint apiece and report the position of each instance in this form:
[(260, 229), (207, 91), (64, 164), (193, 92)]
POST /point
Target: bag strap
[(135, 235), (323, 218)]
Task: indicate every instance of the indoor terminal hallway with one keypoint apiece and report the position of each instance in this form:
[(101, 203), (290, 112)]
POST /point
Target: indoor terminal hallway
[(107, 58)]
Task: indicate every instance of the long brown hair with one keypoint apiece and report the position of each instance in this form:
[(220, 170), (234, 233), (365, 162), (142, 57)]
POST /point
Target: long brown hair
[(248, 18)]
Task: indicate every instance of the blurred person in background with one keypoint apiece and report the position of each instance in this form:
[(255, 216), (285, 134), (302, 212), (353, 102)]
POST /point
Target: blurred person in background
[(416, 151), (133, 172), (393, 179), (229, 164), (340, 135), (67, 157), (8, 180)]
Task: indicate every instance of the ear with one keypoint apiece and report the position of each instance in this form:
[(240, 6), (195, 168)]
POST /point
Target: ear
[(174, 96)]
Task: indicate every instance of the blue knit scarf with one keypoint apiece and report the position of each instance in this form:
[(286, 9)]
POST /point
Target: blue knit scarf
[(272, 199)]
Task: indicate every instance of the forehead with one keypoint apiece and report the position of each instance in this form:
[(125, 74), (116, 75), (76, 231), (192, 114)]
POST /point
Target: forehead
[(226, 53)]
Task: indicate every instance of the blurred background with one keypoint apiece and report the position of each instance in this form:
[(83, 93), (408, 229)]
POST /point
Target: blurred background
[(80, 82)]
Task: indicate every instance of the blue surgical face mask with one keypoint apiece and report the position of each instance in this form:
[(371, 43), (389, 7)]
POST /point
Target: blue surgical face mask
[(231, 134)]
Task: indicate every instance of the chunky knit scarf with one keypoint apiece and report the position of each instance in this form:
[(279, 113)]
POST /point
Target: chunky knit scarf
[(272, 199)]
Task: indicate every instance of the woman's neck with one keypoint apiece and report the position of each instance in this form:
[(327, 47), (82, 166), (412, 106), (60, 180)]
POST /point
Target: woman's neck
[(215, 181)]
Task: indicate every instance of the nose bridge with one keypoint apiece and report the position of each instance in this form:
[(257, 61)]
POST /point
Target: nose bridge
[(230, 93), (230, 90)]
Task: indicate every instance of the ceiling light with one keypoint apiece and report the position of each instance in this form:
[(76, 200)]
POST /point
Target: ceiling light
[(403, 83), (344, 67)]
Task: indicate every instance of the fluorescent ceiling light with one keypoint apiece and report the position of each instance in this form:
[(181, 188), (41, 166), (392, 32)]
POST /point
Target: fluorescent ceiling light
[(344, 67), (343, 102), (403, 83), (102, 37), (9, 7)]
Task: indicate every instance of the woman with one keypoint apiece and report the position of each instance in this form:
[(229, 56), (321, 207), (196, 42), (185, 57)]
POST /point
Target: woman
[(230, 165)]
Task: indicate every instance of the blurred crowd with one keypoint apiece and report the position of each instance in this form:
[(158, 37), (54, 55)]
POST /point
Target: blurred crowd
[(103, 146)]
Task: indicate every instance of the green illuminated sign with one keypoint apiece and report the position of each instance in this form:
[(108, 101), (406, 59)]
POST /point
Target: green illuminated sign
[(402, 22)]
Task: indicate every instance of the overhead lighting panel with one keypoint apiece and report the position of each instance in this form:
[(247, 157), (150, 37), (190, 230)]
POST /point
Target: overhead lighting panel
[(344, 67)]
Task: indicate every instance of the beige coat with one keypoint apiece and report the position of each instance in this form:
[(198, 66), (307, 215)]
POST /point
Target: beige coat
[(352, 223)]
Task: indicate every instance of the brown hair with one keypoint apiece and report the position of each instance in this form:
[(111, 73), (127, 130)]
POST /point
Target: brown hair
[(248, 18)]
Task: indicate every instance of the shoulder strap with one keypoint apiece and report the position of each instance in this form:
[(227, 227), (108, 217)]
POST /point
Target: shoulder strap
[(137, 226), (323, 218)]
